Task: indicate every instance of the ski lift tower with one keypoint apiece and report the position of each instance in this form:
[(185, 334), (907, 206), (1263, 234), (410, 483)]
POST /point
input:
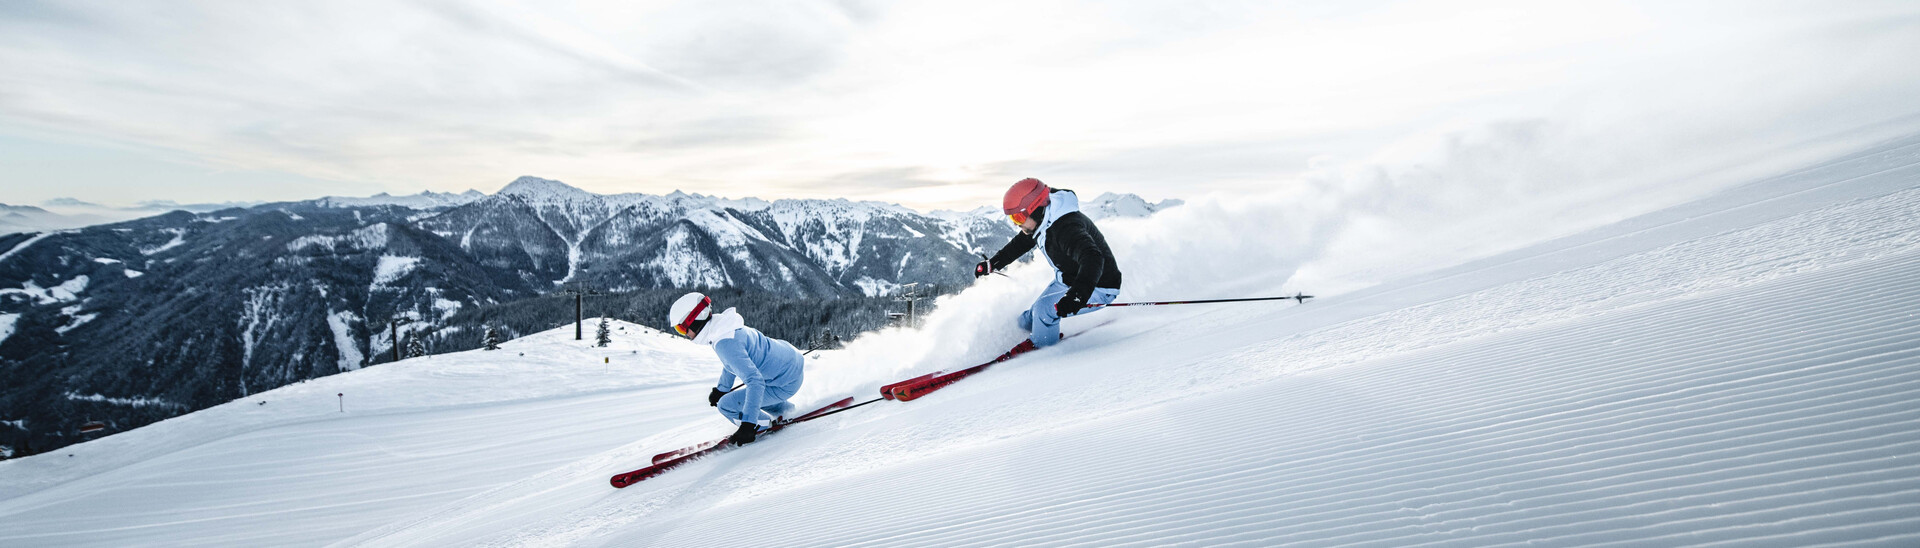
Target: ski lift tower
[(393, 326), (580, 292), (910, 294)]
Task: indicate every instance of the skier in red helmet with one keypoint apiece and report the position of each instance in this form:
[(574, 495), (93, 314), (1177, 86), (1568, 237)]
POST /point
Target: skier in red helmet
[(1084, 270)]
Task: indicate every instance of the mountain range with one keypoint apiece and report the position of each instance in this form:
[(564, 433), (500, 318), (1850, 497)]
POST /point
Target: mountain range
[(136, 321)]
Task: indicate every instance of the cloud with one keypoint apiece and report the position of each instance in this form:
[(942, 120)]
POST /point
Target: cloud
[(932, 104), (69, 202), (896, 178), (708, 132)]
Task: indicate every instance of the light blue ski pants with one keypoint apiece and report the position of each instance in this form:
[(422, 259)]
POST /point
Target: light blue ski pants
[(1047, 330), (776, 406)]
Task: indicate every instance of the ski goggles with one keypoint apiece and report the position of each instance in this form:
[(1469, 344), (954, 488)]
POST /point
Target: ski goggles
[(686, 324), (1018, 218)]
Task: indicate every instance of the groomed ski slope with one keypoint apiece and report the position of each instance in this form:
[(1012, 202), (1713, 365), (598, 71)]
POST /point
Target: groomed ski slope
[(297, 470), (1743, 369)]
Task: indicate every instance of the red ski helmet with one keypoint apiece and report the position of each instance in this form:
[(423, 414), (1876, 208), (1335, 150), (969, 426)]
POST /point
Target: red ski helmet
[(1024, 198)]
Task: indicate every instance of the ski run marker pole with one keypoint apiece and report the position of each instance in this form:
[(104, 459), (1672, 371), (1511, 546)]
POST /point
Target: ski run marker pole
[(1295, 297)]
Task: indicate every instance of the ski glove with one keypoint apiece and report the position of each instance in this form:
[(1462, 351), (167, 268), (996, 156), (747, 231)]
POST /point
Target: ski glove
[(713, 398), (1070, 304), (982, 269), (745, 434)]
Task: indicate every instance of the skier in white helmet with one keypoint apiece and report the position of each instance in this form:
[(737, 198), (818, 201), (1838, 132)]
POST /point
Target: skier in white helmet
[(769, 369)]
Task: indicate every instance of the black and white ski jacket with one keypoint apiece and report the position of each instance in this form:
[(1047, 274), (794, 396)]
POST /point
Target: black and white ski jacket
[(1078, 252)]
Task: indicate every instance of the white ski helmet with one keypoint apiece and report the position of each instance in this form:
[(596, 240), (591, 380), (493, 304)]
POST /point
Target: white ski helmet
[(690, 309)]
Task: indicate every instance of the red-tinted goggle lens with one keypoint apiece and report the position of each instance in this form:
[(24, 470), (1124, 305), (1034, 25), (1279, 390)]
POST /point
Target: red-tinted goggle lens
[(687, 324)]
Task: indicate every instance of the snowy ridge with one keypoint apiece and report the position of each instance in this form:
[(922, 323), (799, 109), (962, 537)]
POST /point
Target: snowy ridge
[(65, 292), (373, 236), (683, 265), (15, 218), (817, 248), (25, 244), (130, 402), (7, 321), (423, 200), (1109, 205)]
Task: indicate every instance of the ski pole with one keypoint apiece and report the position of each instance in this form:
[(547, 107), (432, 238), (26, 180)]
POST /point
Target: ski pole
[(847, 408), (1296, 297), (990, 260)]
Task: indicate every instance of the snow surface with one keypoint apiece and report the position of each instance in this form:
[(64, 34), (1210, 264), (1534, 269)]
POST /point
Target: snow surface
[(27, 243), (727, 232), (875, 288), (447, 308), (368, 237), (415, 434), (683, 265), (341, 323), (127, 402), (423, 200), (1113, 206), (179, 239), (7, 323), (391, 268), (75, 322), (66, 292), (1739, 370)]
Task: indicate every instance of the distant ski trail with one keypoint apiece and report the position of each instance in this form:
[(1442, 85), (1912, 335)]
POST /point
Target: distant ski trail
[(28, 243)]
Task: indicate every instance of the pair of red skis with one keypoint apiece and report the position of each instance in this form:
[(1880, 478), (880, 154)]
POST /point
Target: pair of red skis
[(668, 460), (906, 390)]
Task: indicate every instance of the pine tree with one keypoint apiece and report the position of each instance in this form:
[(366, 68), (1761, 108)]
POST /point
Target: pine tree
[(492, 342), (415, 347), (603, 338)]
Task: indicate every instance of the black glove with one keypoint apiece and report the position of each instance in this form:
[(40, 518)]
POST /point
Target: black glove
[(713, 398), (1069, 304), (982, 269), (745, 434)]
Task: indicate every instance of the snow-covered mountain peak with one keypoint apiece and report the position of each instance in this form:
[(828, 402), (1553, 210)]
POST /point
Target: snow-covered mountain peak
[(21, 208), (1110, 205), (536, 189), (982, 212), (69, 202), (424, 200), (743, 204)]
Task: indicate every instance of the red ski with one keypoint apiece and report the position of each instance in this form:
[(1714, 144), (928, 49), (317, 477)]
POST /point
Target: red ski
[(668, 460), (906, 390), (682, 452), (913, 388)]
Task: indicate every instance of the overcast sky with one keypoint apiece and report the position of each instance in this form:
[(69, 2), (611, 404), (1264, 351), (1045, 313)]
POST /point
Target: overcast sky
[(934, 104)]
